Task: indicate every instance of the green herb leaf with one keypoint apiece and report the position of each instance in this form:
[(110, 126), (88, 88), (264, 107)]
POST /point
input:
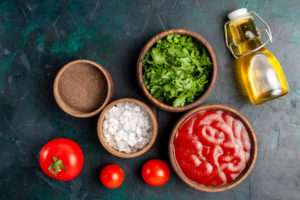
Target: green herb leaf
[(177, 70)]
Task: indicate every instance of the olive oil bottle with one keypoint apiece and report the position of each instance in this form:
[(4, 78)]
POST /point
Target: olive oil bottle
[(258, 72)]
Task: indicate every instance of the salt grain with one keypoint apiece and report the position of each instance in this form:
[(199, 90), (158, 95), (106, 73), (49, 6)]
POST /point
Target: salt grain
[(127, 127)]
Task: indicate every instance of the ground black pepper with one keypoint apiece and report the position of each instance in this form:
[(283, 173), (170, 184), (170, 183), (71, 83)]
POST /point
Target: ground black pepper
[(83, 87)]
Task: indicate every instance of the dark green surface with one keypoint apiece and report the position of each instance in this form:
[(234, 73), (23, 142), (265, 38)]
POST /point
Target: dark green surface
[(38, 37)]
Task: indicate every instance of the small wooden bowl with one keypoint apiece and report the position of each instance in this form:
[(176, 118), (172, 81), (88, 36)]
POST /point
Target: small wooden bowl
[(116, 152), (72, 71), (245, 172), (139, 71)]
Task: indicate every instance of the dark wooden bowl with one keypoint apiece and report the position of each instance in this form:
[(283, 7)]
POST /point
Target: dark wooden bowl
[(139, 71), (116, 152), (99, 106), (245, 172)]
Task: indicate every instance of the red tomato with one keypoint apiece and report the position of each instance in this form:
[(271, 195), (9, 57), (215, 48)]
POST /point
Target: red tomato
[(155, 172), (61, 159), (112, 176)]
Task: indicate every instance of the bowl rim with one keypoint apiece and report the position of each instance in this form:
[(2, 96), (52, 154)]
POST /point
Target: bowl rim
[(148, 46), (246, 171), (68, 109), (119, 153)]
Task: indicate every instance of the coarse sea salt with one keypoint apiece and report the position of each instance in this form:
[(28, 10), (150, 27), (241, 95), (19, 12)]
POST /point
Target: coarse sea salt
[(127, 127)]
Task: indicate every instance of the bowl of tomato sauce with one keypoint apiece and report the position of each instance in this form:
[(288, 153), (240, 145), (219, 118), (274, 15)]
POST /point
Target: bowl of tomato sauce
[(213, 148)]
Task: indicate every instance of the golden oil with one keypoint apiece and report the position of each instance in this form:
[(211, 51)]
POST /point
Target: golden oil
[(260, 77), (257, 71)]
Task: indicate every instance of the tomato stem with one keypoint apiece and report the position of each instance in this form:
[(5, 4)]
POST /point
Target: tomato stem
[(57, 165)]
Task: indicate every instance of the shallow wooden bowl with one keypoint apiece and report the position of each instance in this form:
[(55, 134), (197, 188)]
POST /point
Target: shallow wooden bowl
[(107, 82), (139, 71), (116, 152), (245, 172)]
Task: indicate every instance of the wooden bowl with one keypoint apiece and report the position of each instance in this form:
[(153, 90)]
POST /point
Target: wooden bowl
[(73, 81), (116, 152), (139, 71), (245, 172)]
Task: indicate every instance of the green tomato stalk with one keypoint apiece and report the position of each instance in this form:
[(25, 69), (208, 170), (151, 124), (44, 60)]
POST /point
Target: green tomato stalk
[(56, 165)]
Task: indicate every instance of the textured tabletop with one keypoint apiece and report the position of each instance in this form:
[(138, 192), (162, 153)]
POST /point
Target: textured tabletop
[(38, 37)]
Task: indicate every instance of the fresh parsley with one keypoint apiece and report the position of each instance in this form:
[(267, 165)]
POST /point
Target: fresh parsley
[(176, 70)]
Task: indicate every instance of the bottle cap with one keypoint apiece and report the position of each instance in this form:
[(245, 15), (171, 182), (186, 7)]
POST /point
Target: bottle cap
[(238, 13)]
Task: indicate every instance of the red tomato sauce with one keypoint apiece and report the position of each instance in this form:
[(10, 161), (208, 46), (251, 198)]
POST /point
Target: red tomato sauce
[(212, 147)]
